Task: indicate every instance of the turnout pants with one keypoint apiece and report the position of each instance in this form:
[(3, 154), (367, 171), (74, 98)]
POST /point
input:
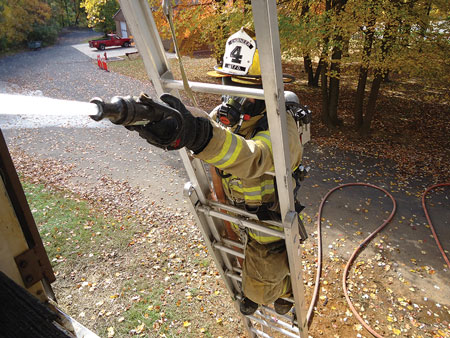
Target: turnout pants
[(265, 275)]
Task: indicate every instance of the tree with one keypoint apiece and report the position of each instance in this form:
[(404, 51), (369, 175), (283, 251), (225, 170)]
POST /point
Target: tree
[(331, 69), (399, 37), (19, 18), (204, 23), (376, 38), (226, 19), (100, 14), (313, 78), (302, 34), (316, 29), (68, 12)]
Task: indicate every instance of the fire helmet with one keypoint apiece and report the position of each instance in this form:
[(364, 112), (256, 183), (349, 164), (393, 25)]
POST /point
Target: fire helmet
[(241, 60), (240, 67)]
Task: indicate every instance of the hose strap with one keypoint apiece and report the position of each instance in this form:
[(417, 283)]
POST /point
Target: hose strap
[(168, 12)]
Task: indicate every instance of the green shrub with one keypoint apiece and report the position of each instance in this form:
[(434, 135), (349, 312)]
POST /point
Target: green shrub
[(45, 33), (3, 43)]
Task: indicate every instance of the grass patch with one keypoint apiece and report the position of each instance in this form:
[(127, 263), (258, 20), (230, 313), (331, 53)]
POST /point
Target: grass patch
[(70, 227), (88, 250), (202, 262), (153, 313), (196, 69), (147, 313), (130, 67)]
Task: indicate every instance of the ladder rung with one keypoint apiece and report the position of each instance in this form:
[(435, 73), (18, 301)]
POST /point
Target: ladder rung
[(238, 270), (228, 250), (239, 211), (276, 328), (234, 276), (260, 333), (285, 322), (230, 242), (215, 88), (286, 318), (230, 208), (240, 221)]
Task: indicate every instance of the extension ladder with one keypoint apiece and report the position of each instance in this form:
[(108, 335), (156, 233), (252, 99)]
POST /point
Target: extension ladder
[(209, 213)]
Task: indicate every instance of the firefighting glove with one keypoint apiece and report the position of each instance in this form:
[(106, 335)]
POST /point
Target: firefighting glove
[(173, 133)]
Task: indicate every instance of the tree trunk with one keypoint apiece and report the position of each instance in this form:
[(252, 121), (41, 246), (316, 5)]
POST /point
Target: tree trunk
[(325, 98), (76, 6), (376, 83), (371, 103), (335, 70), (331, 99), (363, 72), (66, 6), (315, 82), (77, 18), (309, 70), (360, 93)]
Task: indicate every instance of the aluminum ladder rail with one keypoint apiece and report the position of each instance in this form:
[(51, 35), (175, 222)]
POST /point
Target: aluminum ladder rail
[(209, 213)]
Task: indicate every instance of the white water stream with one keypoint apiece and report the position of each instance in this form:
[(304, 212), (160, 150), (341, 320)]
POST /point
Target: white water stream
[(39, 105), (24, 111)]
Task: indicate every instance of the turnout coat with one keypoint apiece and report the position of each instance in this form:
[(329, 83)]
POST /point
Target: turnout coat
[(245, 158)]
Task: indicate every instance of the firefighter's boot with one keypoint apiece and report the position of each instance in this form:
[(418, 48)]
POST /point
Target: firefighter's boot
[(247, 306), (282, 306)]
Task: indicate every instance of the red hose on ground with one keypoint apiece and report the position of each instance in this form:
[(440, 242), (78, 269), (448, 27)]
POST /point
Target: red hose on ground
[(429, 220), (319, 261), (355, 253), (361, 246)]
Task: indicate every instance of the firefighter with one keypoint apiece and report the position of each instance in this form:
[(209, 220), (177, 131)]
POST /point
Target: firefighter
[(236, 141)]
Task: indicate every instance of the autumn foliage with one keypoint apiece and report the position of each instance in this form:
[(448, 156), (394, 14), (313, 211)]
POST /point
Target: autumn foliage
[(100, 14), (28, 20), (368, 41), (203, 24), (19, 17)]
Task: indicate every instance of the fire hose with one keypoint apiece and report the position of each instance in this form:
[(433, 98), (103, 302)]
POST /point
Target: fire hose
[(361, 246), (433, 231)]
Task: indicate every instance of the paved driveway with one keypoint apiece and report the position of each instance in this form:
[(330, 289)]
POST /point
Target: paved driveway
[(111, 52)]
